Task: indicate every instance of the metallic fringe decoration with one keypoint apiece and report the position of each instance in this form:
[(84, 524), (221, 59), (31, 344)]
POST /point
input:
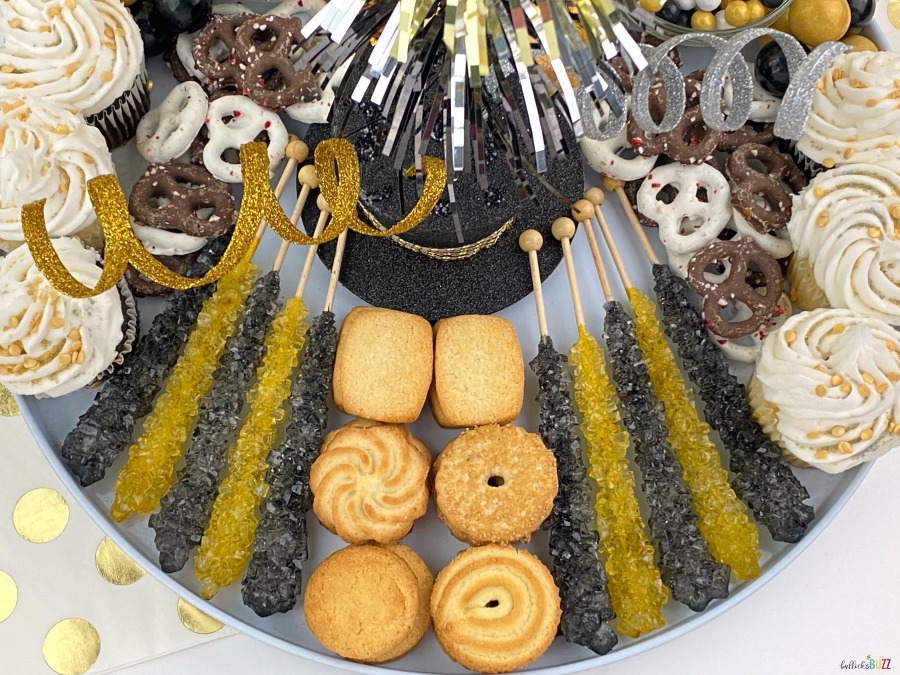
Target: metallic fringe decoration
[(184, 511), (105, 430), (694, 578), (762, 479), (723, 522), (635, 587), (150, 469), (225, 547)]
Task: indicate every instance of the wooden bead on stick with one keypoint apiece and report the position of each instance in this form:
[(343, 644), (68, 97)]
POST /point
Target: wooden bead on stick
[(582, 210), (595, 196), (531, 240), (297, 150), (563, 228), (308, 176)]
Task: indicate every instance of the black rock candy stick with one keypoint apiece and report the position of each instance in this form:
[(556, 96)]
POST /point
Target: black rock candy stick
[(762, 479), (105, 429), (274, 574), (687, 568), (574, 544), (184, 511)]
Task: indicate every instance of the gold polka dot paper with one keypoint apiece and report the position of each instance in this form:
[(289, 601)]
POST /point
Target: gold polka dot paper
[(195, 620), (71, 600), (41, 515)]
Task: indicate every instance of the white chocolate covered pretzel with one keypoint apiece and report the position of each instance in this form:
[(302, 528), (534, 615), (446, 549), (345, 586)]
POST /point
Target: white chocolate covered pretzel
[(166, 132)]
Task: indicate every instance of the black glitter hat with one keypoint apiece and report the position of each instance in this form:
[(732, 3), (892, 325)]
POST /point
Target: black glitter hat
[(464, 258)]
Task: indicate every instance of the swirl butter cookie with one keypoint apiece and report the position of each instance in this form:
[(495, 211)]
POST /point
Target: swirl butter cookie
[(370, 482), (494, 484), (495, 608)]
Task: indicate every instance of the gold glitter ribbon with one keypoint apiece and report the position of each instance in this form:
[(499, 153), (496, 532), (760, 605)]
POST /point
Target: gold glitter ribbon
[(339, 180)]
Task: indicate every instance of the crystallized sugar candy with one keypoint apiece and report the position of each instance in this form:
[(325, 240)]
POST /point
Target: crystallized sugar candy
[(686, 566), (184, 511)]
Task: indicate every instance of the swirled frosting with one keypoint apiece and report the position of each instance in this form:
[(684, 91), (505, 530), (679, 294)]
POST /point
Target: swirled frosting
[(51, 344), (844, 224), (855, 115), (827, 388), (80, 54), (47, 153)]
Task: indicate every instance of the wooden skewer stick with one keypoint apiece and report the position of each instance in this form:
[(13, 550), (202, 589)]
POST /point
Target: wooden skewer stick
[(614, 185), (335, 270), (563, 230), (324, 214), (310, 181), (583, 212), (600, 221), (531, 241), (297, 151)]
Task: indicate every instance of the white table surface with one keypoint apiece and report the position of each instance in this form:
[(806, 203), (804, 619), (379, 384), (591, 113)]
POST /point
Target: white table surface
[(837, 602)]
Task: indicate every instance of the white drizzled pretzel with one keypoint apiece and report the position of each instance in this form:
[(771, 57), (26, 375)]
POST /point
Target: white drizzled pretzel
[(245, 121), (604, 157), (167, 131)]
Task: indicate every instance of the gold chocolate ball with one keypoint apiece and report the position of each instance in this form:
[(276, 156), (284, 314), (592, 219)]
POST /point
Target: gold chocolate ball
[(701, 20), (757, 9), (816, 21), (738, 14), (860, 43), (652, 6)]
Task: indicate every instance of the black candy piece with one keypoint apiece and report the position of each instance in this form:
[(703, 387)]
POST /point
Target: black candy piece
[(762, 479), (669, 12), (105, 429), (184, 16), (274, 574), (773, 4), (772, 69), (861, 12), (156, 34), (184, 512), (684, 561), (577, 570)]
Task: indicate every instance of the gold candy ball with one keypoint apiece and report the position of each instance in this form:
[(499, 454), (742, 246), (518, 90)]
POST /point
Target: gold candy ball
[(701, 20), (652, 6), (757, 9), (816, 21), (860, 43), (738, 13)]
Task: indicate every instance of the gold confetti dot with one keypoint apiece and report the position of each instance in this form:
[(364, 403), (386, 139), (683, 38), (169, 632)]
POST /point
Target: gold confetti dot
[(115, 565), (195, 620), (71, 647), (838, 431), (8, 406), (41, 515), (9, 596), (865, 434)]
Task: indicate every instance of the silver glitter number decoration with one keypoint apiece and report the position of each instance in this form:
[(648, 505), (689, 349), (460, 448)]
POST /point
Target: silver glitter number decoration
[(804, 71)]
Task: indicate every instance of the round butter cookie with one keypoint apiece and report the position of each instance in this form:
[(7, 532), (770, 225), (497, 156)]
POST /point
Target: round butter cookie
[(362, 603), (495, 608), (494, 484), (370, 482)]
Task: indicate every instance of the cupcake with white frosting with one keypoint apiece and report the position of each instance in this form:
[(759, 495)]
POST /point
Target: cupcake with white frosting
[(855, 114), (47, 153), (827, 389), (52, 344), (846, 243), (83, 55)]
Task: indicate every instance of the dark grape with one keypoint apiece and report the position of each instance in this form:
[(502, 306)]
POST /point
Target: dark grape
[(184, 16), (772, 69), (155, 33)]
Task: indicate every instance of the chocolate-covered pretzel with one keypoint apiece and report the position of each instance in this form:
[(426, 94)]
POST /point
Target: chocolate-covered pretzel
[(266, 46), (643, 142), (147, 288), (213, 47), (734, 285), (692, 141), (752, 132), (761, 197), (182, 192)]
